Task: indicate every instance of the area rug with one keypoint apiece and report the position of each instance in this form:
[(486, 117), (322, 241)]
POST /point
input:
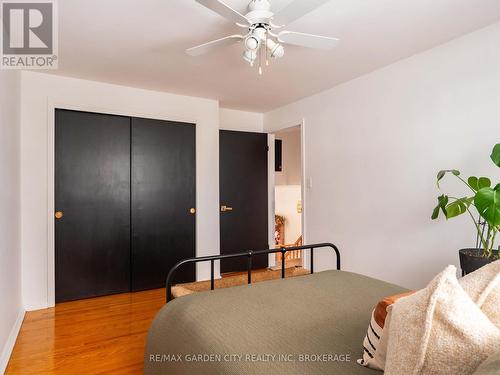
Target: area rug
[(235, 280)]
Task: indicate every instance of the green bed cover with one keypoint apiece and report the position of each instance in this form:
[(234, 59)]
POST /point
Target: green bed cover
[(313, 324)]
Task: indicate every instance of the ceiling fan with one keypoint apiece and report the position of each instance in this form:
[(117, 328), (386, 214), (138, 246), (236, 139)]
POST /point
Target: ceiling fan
[(262, 25)]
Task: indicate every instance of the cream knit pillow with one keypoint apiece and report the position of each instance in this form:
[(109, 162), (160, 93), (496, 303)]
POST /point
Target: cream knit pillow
[(439, 330), (483, 287)]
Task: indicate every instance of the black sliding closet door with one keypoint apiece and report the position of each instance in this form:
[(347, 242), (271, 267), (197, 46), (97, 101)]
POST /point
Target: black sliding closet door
[(124, 201), (92, 193), (163, 193)]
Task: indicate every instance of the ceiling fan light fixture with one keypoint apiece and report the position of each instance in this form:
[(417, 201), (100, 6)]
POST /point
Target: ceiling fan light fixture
[(250, 56), (260, 39), (252, 43), (276, 49)]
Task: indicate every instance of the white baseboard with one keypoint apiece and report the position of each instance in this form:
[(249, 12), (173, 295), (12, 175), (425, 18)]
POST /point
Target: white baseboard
[(11, 341)]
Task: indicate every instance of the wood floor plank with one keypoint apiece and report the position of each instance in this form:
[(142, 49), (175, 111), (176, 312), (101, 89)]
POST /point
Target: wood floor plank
[(104, 335)]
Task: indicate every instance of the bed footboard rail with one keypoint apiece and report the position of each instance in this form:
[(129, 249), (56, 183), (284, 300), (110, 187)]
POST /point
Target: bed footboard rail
[(249, 254)]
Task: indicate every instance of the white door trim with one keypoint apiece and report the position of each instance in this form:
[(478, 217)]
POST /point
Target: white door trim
[(271, 205), (271, 202)]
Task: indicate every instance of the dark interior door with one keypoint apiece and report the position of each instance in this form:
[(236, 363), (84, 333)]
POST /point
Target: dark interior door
[(163, 193), (243, 197), (92, 191)]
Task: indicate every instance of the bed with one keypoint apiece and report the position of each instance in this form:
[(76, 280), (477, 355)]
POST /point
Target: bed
[(313, 324)]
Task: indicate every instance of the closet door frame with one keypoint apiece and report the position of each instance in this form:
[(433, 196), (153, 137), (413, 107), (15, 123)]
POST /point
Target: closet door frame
[(52, 105)]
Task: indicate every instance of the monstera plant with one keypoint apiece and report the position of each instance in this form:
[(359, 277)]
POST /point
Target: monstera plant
[(482, 203)]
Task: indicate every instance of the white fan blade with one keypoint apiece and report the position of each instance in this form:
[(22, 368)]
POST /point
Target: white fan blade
[(225, 11), (307, 40), (214, 44), (295, 10)]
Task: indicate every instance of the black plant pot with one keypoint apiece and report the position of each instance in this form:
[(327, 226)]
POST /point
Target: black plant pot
[(473, 259)]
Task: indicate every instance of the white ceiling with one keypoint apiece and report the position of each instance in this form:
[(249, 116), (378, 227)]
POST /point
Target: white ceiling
[(141, 43)]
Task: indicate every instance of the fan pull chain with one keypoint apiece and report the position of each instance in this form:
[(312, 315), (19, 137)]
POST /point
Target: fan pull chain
[(260, 60), (267, 52)]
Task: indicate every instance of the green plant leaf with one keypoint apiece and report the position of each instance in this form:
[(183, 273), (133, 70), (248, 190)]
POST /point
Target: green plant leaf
[(473, 183), (442, 173), (495, 155), (478, 183), (458, 207), (483, 182), (442, 202), (487, 202)]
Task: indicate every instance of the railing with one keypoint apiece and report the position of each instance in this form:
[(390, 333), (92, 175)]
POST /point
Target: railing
[(295, 255), (249, 254)]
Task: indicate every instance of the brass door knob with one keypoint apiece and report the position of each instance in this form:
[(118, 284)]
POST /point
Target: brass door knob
[(58, 214), (225, 208), (192, 210)]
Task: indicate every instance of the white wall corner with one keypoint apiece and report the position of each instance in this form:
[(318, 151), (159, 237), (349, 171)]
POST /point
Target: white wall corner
[(11, 341)]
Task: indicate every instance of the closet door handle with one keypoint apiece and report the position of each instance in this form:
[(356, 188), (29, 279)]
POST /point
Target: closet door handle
[(58, 214), (225, 208)]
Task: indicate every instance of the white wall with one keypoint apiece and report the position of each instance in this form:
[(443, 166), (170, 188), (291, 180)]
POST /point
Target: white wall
[(40, 94), (374, 145), (286, 198), (291, 173), (11, 311), (230, 119)]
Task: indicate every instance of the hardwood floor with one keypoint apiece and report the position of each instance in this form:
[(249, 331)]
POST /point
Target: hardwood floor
[(94, 336), (104, 335)]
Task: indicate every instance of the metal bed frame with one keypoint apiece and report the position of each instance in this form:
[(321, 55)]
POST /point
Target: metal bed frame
[(249, 254)]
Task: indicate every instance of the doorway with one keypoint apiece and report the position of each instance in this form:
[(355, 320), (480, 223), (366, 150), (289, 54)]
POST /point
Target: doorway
[(288, 193)]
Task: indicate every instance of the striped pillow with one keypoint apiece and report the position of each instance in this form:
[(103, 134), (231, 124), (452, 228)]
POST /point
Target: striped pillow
[(375, 342)]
